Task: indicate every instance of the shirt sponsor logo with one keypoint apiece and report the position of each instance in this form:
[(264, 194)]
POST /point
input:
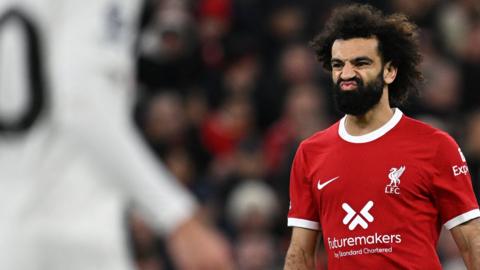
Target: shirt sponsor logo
[(363, 240), (461, 155), (355, 245), (394, 175), (357, 219), (355, 252), (458, 170), (462, 169)]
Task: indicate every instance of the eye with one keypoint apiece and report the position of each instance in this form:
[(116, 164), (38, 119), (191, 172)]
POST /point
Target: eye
[(336, 65), (362, 63)]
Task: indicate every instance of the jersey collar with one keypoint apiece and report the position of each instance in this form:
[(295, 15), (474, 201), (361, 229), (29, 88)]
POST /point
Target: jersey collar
[(372, 135)]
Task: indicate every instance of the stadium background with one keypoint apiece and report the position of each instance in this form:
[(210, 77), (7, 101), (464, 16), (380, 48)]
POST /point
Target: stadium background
[(228, 88)]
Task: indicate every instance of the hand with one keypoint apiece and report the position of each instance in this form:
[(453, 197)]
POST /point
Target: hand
[(194, 246)]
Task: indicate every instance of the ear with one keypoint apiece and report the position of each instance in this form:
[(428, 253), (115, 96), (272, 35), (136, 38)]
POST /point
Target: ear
[(389, 73)]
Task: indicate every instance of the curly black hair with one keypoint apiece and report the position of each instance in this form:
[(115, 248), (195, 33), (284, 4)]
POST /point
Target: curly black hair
[(397, 43)]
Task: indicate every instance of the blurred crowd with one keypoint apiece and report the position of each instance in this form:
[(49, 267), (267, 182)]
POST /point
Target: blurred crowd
[(228, 88)]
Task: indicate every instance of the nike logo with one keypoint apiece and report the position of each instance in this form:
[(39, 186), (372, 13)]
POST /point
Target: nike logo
[(321, 186)]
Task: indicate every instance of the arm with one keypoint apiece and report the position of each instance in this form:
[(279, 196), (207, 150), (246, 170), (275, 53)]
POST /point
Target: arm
[(166, 206), (300, 254), (467, 237), (194, 245)]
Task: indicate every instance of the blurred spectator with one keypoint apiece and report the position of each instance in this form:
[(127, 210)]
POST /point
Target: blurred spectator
[(227, 175), (257, 252), (170, 138), (442, 92), (241, 76), (286, 23), (303, 114), (213, 24), (248, 18), (181, 164), (168, 49), (252, 207), (457, 21), (215, 19), (225, 128), (159, 128), (296, 66), (422, 12), (144, 244), (459, 27), (471, 68)]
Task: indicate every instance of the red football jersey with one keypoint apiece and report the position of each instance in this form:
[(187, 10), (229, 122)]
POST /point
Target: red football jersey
[(380, 199)]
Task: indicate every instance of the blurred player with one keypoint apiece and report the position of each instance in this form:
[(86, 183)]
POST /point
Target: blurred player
[(70, 159), (377, 184)]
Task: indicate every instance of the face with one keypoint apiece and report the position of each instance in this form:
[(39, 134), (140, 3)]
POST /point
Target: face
[(358, 75)]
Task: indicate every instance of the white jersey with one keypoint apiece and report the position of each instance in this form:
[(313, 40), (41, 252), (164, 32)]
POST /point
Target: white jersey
[(65, 180)]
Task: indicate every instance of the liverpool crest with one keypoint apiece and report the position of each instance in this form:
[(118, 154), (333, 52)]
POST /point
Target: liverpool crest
[(394, 175)]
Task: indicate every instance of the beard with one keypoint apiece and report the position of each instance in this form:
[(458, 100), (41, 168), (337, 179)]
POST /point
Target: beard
[(360, 101)]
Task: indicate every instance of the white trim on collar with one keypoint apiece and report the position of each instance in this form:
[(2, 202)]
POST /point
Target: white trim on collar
[(397, 115)]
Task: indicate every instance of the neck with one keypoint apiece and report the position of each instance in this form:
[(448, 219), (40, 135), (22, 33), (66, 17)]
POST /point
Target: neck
[(372, 120)]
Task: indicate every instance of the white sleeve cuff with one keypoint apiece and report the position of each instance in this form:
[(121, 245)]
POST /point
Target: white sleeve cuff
[(462, 218), (303, 223)]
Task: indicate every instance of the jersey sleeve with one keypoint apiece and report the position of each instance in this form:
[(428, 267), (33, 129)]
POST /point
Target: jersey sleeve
[(303, 209), (452, 185), (91, 104), (116, 146)]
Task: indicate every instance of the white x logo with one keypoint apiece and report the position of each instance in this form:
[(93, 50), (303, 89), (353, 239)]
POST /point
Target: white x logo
[(358, 220)]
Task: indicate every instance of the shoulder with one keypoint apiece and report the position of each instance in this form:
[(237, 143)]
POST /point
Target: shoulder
[(421, 130), (318, 144), (437, 142)]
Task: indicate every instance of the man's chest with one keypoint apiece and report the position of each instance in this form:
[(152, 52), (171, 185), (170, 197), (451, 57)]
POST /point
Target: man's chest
[(356, 187)]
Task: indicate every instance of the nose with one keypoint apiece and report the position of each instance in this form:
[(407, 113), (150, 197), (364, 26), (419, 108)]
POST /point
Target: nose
[(347, 72)]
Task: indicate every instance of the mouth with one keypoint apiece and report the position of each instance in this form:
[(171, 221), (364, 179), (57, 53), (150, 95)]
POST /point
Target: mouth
[(348, 85)]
